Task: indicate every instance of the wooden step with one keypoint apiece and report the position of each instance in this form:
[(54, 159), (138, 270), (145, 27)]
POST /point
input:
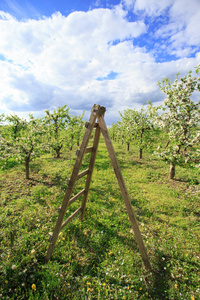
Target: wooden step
[(76, 197), (88, 150), (83, 173), (88, 125), (70, 218), (73, 199)]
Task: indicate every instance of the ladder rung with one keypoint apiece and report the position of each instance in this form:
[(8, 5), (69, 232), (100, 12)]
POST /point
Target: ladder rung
[(88, 125), (80, 175), (89, 149), (70, 218), (73, 199), (76, 197)]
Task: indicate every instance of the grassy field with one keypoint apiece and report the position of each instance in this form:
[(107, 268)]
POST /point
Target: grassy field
[(98, 258)]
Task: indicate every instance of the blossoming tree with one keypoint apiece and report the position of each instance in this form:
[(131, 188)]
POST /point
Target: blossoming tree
[(24, 144), (180, 119), (138, 126), (56, 125)]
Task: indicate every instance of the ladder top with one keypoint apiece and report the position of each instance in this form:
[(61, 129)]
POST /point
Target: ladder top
[(98, 108)]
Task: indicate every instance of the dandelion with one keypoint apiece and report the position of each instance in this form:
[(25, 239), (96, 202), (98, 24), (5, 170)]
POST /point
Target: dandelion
[(104, 284), (88, 283), (175, 285), (33, 287), (109, 253), (192, 298)]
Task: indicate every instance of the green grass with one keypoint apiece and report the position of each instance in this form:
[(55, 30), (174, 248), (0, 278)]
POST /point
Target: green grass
[(98, 258)]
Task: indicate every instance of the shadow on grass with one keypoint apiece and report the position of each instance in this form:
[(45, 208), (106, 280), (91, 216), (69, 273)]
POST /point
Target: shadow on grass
[(95, 248), (161, 277)]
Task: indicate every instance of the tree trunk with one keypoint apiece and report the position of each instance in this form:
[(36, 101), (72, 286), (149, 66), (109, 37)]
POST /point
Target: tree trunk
[(127, 146), (172, 170), (27, 167), (167, 144), (140, 153), (58, 153)]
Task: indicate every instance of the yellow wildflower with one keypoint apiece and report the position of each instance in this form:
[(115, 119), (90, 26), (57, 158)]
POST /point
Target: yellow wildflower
[(192, 298), (104, 284), (33, 287)]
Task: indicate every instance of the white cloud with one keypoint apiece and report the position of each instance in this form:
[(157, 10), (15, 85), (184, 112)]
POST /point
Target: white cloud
[(183, 21), (153, 7), (54, 61)]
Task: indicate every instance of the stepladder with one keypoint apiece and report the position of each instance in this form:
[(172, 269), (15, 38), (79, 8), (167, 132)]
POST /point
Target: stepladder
[(96, 122)]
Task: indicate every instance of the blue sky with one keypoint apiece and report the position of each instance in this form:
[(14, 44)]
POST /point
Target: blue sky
[(79, 53)]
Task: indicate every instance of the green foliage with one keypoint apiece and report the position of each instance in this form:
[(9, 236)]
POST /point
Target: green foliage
[(63, 129), (23, 140), (180, 120), (16, 125), (99, 258), (197, 69), (57, 123), (138, 126), (75, 130)]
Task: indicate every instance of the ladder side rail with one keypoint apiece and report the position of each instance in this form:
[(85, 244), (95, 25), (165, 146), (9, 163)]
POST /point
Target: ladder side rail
[(124, 191), (89, 128)]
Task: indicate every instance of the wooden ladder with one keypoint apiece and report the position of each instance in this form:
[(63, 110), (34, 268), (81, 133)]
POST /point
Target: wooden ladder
[(97, 114)]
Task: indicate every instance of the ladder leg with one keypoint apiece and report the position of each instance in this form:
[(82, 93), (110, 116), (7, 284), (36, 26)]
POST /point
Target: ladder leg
[(124, 191), (91, 167)]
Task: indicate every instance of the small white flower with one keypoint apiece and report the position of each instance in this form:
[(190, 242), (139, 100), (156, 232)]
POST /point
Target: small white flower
[(14, 267)]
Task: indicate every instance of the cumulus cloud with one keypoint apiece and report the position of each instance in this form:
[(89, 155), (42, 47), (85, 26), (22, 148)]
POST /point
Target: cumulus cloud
[(57, 60), (181, 20)]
